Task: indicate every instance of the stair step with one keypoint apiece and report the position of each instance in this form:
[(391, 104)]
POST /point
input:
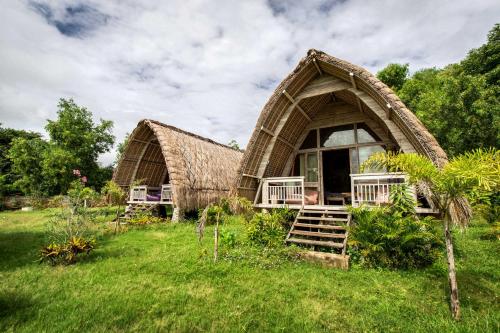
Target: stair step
[(319, 226), (320, 210), (313, 242), (317, 234), (315, 218)]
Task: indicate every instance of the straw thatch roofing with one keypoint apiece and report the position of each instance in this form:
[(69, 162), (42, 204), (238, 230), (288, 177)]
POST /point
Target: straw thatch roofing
[(200, 170), (305, 91)]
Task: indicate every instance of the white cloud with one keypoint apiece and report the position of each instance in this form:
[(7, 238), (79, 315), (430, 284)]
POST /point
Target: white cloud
[(207, 66)]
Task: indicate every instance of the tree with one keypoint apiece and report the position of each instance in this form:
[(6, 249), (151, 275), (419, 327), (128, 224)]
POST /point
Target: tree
[(234, 144), (7, 175), (394, 75), (474, 174), (485, 60), (461, 110), (25, 156), (75, 131), (459, 104)]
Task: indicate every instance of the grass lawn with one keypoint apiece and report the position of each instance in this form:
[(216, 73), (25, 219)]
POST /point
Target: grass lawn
[(157, 279)]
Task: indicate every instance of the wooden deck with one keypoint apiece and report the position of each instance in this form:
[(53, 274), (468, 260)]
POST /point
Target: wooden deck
[(341, 208), (150, 202)]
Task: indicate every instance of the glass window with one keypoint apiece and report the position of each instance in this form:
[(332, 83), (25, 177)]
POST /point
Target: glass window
[(353, 153), (302, 159), (312, 167), (366, 152), (311, 140), (306, 165), (337, 136), (365, 134)]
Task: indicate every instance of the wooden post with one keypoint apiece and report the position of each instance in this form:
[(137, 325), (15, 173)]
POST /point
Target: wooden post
[(216, 238), (303, 193), (177, 214)]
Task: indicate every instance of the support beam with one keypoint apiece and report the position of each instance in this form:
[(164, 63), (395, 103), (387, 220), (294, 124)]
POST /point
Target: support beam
[(146, 142), (267, 131), (321, 86), (134, 173), (353, 82), (251, 176), (296, 104), (389, 111), (360, 107), (317, 66), (380, 113), (286, 142)]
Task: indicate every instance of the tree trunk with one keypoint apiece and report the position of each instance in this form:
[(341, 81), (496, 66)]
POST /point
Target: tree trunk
[(216, 239), (452, 278)]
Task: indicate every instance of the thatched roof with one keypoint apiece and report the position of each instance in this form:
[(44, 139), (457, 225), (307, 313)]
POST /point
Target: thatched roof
[(200, 170), (278, 129)]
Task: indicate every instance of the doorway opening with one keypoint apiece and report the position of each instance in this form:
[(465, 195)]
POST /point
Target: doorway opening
[(336, 176)]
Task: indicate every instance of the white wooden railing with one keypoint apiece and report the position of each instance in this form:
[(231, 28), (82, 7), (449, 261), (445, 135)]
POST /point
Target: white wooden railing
[(140, 193), (375, 188), (283, 190), (166, 193)]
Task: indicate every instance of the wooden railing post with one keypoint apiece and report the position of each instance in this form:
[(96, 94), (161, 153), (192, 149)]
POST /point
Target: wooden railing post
[(303, 192)]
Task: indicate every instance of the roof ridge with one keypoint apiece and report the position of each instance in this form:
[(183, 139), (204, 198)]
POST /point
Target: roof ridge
[(194, 135)]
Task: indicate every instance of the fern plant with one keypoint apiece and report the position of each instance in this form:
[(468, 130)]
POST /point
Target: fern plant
[(384, 237)]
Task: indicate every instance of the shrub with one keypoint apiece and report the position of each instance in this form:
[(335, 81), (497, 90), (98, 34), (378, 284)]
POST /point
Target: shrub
[(288, 216), (66, 253), (228, 239), (380, 237), (146, 219), (266, 229), (56, 201), (71, 231)]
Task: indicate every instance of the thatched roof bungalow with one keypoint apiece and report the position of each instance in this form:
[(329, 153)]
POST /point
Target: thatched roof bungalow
[(196, 170), (322, 121)]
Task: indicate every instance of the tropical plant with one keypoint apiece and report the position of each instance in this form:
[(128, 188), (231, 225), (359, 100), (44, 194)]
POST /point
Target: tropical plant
[(72, 231), (66, 253), (267, 229), (115, 195), (473, 174), (384, 237), (402, 201)]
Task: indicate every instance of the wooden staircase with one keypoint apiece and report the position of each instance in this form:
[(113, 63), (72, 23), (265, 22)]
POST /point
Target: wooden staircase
[(135, 209), (323, 229)]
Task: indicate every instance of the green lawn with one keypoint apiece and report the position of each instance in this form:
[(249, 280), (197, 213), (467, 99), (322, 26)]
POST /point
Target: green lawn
[(157, 279)]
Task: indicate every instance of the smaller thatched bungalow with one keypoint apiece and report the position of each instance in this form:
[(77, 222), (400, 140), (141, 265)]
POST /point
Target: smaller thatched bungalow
[(164, 165)]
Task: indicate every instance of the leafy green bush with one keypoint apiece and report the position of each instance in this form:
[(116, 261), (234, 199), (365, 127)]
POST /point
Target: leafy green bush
[(266, 229), (66, 253), (228, 239), (288, 216), (380, 237)]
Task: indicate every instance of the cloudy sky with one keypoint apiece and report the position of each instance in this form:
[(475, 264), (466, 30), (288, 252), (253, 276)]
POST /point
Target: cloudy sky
[(207, 66)]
